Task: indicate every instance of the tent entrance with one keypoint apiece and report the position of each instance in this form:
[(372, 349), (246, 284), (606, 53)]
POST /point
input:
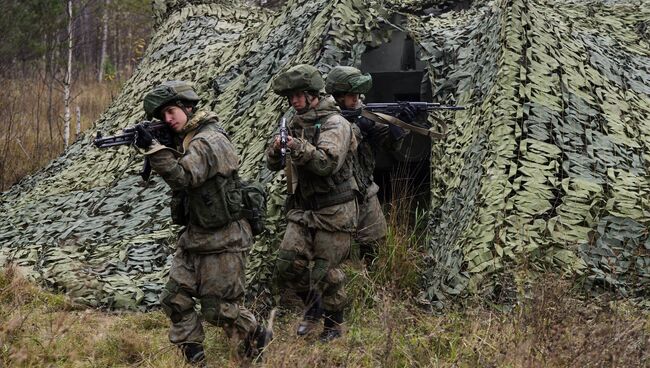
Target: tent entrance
[(398, 75)]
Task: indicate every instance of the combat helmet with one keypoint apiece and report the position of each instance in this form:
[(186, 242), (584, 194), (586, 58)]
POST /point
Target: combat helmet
[(301, 77), (167, 93), (347, 79)]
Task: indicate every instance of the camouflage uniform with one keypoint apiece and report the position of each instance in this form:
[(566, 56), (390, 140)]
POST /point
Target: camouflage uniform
[(372, 136), (321, 235), (210, 259), (322, 214), (371, 230), (209, 264)]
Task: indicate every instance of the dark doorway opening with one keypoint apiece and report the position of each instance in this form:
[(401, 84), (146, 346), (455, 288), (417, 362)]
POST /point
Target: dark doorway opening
[(399, 75)]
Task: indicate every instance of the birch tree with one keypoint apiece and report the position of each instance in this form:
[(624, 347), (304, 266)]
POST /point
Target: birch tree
[(103, 56), (67, 81)]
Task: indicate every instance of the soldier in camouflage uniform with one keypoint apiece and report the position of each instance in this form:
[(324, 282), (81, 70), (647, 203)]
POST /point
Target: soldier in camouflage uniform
[(346, 84), (210, 258), (322, 212)]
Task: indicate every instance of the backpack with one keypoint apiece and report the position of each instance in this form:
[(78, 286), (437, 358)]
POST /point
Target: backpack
[(254, 203)]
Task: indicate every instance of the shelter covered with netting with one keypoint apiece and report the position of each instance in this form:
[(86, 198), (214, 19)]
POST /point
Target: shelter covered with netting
[(547, 168)]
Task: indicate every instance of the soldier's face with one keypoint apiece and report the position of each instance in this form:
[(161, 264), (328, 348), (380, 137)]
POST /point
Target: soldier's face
[(349, 101), (298, 100), (174, 117)]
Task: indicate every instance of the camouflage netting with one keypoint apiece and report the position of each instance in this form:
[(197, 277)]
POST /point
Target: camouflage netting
[(548, 168)]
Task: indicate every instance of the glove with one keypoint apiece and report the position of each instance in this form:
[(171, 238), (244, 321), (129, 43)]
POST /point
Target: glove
[(407, 112), (396, 132), (364, 124), (143, 138)]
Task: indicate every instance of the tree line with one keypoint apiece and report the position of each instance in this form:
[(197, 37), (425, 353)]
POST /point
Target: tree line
[(108, 36), (61, 62)]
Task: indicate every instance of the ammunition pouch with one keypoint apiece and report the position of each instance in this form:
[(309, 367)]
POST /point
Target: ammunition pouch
[(216, 203), (254, 205), (342, 193)]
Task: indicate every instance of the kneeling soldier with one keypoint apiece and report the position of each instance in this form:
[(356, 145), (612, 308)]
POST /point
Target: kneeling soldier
[(210, 258)]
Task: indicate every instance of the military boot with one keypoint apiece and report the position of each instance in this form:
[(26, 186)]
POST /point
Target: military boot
[(193, 353), (257, 341), (332, 322), (313, 311)]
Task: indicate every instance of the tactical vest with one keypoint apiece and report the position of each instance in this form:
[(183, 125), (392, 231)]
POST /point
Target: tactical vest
[(214, 204), (314, 191)]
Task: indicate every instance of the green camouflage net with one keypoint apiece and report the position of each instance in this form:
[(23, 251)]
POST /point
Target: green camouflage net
[(87, 225), (548, 167)]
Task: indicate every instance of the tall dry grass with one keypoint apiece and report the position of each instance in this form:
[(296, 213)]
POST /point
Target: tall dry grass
[(554, 327), (32, 126)]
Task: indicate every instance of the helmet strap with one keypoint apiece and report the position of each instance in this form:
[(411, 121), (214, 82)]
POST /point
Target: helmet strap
[(187, 112), (308, 98)]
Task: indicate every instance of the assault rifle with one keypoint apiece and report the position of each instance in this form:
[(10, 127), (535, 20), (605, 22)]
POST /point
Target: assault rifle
[(388, 110), (285, 155), (284, 133), (394, 108), (159, 130)]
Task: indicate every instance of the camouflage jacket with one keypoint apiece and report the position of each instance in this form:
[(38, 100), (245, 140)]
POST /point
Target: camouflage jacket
[(203, 154), (375, 136), (322, 160)]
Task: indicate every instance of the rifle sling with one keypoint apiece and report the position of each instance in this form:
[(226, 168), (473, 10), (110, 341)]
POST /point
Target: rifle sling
[(388, 119)]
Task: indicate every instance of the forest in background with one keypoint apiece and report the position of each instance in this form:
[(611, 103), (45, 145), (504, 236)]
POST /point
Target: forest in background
[(61, 61)]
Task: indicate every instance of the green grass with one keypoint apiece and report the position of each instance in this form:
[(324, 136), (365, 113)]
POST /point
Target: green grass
[(549, 324), (384, 328)]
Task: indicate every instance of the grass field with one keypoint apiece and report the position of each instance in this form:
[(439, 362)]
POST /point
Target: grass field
[(385, 328)]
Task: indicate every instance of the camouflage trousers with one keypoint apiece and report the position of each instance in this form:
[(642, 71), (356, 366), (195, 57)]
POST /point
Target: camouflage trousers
[(371, 230), (309, 259), (217, 281)]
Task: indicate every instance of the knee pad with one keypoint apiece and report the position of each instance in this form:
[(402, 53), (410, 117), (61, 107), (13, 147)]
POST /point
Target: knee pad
[(218, 312), (285, 260), (319, 270), (334, 281), (175, 309)]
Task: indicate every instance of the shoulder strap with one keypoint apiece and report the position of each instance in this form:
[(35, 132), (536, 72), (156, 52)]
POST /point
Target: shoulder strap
[(388, 119)]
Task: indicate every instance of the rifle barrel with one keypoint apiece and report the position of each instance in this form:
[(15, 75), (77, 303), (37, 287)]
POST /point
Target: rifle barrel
[(128, 134), (429, 106)]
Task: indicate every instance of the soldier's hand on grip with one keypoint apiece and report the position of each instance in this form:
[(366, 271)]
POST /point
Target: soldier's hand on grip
[(143, 138), (364, 124), (407, 112)]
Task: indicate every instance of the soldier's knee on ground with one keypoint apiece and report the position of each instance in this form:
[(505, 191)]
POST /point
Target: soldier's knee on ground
[(175, 302), (218, 312)]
